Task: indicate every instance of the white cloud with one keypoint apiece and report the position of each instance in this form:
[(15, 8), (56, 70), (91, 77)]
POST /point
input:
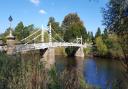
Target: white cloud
[(42, 11), (36, 2)]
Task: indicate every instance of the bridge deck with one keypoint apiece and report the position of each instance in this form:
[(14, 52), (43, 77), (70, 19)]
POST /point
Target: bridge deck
[(35, 46)]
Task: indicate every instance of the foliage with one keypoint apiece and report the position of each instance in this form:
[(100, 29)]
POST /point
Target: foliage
[(87, 50), (107, 45), (70, 19), (22, 31), (28, 72), (101, 47), (90, 37), (98, 33), (57, 33), (73, 27), (55, 82), (19, 31), (115, 18), (113, 46)]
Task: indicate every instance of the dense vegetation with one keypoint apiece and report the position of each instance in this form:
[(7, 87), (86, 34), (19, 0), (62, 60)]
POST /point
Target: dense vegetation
[(116, 21), (106, 45), (28, 72)]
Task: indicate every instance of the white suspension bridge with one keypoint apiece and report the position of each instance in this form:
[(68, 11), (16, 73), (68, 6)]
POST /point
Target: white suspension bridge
[(28, 45)]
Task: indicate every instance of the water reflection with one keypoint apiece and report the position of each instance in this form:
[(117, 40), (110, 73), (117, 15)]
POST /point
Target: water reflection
[(72, 74), (103, 73)]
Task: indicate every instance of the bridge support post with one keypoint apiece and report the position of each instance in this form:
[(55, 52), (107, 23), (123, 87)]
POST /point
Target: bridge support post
[(48, 57), (42, 35), (10, 44), (50, 33), (79, 52)]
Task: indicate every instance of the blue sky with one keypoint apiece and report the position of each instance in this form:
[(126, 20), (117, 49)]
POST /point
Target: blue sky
[(37, 12)]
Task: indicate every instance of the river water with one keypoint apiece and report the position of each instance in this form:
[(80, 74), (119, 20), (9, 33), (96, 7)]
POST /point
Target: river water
[(97, 72)]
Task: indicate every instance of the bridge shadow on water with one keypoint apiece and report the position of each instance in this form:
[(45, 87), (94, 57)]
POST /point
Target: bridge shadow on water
[(71, 72), (71, 51)]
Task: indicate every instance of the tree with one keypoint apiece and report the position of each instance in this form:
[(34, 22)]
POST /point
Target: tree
[(105, 34), (115, 18), (90, 37), (54, 24), (101, 47), (22, 31), (70, 19), (73, 27), (98, 33), (56, 30), (19, 31)]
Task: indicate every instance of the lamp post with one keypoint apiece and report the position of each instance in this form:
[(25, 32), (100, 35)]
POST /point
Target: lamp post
[(10, 20)]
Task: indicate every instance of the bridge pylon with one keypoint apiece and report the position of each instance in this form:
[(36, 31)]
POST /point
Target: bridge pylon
[(42, 34), (10, 43), (50, 34), (80, 40)]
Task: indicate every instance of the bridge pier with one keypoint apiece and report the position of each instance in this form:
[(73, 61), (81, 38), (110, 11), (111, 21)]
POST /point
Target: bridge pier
[(10, 44), (79, 52), (48, 57)]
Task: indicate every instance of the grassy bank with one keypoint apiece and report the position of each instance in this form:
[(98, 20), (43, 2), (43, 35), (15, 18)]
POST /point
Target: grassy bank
[(17, 72)]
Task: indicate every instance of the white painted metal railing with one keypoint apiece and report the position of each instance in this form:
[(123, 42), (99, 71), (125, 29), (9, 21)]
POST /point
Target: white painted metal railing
[(36, 46)]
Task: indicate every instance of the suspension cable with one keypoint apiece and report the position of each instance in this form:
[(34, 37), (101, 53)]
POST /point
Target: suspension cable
[(30, 35), (58, 35), (37, 37)]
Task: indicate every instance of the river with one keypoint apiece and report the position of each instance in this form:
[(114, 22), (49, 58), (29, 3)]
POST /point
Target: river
[(97, 72)]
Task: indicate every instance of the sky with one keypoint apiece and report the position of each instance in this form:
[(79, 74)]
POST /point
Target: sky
[(37, 12)]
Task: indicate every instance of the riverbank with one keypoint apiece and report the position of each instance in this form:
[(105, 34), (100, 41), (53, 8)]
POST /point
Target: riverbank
[(27, 71), (109, 56)]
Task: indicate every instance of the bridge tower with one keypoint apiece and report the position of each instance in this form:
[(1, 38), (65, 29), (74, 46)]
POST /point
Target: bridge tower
[(79, 40), (50, 34), (10, 43), (47, 54), (42, 34), (80, 52)]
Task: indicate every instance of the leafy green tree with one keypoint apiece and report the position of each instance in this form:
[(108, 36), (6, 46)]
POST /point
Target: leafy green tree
[(101, 47), (19, 31), (73, 27), (90, 37), (113, 46), (98, 33), (105, 33), (22, 31), (54, 24), (115, 18), (56, 30), (70, 19)]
